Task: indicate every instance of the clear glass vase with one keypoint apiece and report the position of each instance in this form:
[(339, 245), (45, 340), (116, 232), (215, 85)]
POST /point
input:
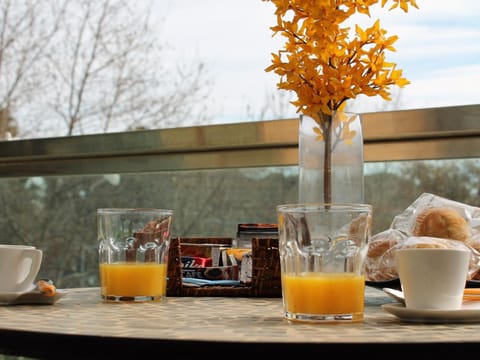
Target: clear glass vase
[(335, 175)]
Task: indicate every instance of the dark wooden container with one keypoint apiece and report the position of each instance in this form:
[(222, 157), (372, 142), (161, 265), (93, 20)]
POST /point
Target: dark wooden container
[(266, 280)]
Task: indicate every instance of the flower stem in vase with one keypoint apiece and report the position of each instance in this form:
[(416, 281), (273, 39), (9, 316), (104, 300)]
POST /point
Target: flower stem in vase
[(327, 175)]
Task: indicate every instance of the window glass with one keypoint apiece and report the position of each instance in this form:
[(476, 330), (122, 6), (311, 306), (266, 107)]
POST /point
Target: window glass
[(58, 213)]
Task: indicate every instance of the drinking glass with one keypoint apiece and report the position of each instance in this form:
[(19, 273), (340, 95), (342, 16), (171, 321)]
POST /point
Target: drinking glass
[(322, 253), (133, 249)]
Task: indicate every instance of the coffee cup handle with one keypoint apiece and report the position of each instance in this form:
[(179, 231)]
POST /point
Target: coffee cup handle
[(35, 255)]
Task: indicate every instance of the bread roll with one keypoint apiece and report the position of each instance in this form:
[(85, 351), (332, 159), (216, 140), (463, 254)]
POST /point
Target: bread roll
[(426, 246), (383, 267), (442, 222), (378, 247), (359, 229)]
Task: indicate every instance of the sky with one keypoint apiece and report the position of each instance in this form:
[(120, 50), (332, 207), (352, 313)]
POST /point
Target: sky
[(438, 49)]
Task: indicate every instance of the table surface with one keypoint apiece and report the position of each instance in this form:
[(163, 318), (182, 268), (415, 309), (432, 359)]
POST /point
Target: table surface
[(86, 325)]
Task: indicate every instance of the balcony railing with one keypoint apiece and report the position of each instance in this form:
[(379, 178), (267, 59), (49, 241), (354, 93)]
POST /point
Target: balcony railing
[(434, 133)]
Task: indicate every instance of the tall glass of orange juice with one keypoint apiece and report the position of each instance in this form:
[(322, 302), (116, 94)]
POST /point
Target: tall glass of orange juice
[(322, 254), (133, 249)]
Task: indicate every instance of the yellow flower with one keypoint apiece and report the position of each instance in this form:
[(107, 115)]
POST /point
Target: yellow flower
[(326, 66), (319, 61)]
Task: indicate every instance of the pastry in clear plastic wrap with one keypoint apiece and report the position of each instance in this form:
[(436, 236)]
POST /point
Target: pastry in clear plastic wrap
[(445, 221), (382, 268), (441, 222), (475, 243), (431, 242), (359, 228), (378, 247), (380, 260)]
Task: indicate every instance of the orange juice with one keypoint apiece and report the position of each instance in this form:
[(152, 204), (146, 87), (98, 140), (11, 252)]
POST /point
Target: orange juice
[(131, 279), (324, 293)]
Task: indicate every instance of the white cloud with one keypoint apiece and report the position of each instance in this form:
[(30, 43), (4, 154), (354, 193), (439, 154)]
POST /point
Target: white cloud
[(438, 49), (453, 86)]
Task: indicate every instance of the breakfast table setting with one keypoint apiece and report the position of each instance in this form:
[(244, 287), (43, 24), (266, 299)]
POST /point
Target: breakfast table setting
[(43, 321), (82, 325)]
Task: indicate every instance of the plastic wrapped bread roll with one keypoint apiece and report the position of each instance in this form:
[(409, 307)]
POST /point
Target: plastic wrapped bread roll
[(442, 222)]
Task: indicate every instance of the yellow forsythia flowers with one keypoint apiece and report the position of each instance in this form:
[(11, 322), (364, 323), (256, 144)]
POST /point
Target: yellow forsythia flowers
[(326, 63), (323, 63)]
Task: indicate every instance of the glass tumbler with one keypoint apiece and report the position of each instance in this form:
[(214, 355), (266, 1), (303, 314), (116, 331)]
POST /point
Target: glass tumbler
[(133, 249), (322, 254)]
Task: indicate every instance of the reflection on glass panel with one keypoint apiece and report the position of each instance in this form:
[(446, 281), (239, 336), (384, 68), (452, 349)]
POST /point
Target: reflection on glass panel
[(392, 186), (57, 213)]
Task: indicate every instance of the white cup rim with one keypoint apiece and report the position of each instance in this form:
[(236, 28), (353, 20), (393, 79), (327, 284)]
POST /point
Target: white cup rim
[(432, 249)]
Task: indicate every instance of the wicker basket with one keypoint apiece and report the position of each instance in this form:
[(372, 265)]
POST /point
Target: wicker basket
[(265, 270)]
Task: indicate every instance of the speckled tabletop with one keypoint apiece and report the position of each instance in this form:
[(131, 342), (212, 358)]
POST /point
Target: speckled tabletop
[(82, 319)]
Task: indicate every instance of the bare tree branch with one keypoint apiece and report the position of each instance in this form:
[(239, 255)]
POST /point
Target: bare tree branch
[(24, 36), (97, 67)]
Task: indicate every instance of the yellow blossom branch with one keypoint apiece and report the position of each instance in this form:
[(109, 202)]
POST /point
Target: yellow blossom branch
[(325, 67), (319, 62)]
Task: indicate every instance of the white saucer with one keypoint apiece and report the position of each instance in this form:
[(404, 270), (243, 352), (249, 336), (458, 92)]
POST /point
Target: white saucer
[(470, 312), (33, 296)]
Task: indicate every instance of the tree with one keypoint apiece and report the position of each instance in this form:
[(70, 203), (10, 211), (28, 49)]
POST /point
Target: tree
[(8, 125), (24, 36), (77, 67)]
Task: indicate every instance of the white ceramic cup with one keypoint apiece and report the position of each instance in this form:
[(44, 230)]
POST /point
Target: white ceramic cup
[(19, 266), (433, 278)]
